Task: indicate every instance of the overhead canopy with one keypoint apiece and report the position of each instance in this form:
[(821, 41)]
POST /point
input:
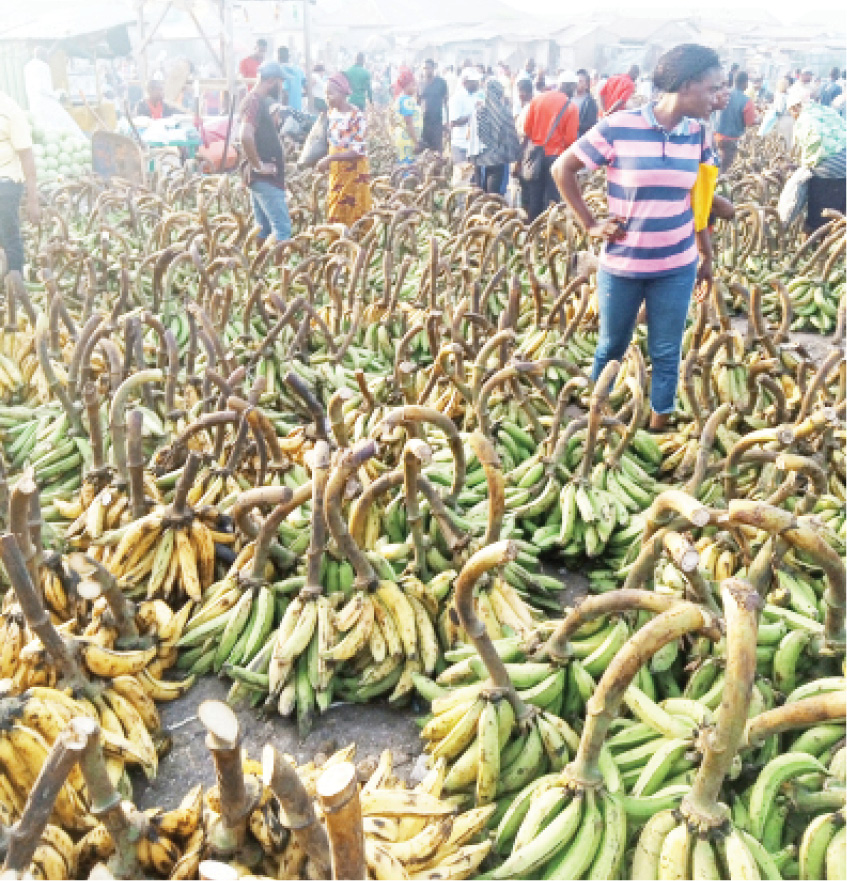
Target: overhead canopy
[(46, 21)]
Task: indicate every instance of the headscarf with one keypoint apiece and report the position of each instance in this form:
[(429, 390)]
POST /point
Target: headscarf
[(494, 116), (405, 76), (797, 94), (340, 81)]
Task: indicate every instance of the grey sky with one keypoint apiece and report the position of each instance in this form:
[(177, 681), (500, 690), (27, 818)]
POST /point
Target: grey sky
[(832, 12)]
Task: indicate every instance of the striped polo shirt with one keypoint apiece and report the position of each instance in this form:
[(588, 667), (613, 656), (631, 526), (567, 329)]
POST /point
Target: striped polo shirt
[(649, 178)]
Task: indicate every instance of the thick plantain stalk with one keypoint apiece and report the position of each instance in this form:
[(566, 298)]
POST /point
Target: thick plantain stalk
[(783, 436), (482, 561), (599, 396), (415, 415), (124, 822), (741, 610), (26, 833), (348, 464), (37, 618), (674, 501), (803, 714), (590, 608), (484, 451), (415, 454), (117, 416), (298, 813), (602, 707), (803, 537), (238, 795), (338, 793), (121, 608)]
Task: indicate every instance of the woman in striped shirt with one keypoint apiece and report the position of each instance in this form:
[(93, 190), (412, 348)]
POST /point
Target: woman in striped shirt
[(651, 254)]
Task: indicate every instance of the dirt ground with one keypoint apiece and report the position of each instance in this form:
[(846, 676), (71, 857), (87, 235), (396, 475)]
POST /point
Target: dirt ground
[(372, 727)]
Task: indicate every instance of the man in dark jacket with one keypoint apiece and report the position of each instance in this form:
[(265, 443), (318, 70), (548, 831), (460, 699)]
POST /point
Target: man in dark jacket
[(585, 102)]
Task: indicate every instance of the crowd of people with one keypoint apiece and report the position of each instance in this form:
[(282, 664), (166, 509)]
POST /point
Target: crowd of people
[(655, 147), (502, 128)]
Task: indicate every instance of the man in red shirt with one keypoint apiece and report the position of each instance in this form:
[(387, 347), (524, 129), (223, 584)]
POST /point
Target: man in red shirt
[(617, 90), (552, 122), (249, 66)]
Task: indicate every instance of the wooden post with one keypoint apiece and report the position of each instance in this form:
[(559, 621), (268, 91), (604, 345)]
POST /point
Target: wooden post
[(228, 59), (141, 59), (307, 54), (338, 791)]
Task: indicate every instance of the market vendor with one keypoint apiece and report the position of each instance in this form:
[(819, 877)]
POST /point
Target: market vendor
[(17, 175), (154, 104)]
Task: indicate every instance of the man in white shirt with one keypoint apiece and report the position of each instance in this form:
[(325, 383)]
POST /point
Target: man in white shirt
[(462, 107)]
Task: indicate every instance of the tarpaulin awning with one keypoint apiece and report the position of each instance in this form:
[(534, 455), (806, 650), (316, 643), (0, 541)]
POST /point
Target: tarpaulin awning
[(50, 21)]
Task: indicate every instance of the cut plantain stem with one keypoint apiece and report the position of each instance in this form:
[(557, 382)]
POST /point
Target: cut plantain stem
[(485, 452), (348, 464), (338, 793), (298, 813), (124, 822), (26, 833), (485, 559), (237, 797)]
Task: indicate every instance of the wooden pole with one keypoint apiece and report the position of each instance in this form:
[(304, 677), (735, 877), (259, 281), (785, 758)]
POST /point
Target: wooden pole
[(338, 791), (307, 53), (141, 56), (229, 60)]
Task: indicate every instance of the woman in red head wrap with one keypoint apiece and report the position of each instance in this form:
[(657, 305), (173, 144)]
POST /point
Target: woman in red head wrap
[(408, 122), (349, 191)]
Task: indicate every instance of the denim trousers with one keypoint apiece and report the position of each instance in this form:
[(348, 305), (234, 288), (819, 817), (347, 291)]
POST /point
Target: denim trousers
[(10, 223), (667, 298), (270, 210), (543, 191)]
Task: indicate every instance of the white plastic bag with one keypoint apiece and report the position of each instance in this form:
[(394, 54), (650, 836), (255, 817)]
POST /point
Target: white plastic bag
[(794, 195)]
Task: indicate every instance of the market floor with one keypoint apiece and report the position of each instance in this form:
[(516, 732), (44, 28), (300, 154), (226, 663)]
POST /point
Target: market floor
[(372, 727)]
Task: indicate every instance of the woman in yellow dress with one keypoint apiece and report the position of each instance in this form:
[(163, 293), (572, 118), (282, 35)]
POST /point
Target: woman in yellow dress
[(349, 193)]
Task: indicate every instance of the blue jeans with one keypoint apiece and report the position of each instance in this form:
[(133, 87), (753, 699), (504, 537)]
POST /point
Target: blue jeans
[(10, 223), (667, 298), (270, 210)]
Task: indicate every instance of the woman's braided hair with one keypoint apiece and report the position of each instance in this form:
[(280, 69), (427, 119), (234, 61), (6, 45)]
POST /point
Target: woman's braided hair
[(683, 64)]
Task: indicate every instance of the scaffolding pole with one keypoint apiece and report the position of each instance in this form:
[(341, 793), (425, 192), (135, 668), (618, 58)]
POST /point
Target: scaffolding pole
[(307, 52)]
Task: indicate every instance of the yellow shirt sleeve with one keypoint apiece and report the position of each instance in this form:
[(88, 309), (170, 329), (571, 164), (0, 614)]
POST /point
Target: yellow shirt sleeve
[(20, 131)]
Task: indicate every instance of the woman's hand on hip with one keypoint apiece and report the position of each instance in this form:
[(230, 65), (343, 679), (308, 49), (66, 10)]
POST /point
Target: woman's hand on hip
[(612, 229), (705, 277)]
